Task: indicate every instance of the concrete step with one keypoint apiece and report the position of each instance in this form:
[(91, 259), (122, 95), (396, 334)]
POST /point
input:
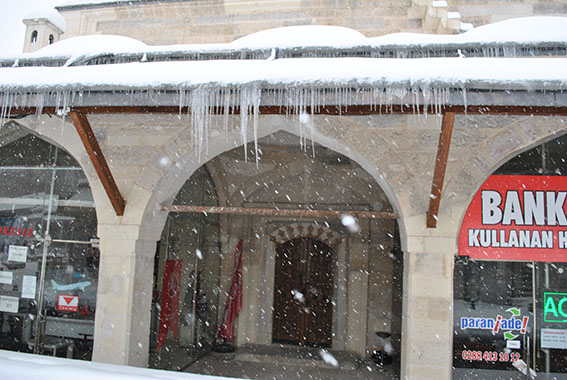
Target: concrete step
[(293, 356)]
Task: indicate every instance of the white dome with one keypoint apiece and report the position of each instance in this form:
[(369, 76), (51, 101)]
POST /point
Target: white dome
[(304, 35), (92, 44)]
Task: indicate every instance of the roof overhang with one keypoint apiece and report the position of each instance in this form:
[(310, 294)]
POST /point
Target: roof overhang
[(348, 86)]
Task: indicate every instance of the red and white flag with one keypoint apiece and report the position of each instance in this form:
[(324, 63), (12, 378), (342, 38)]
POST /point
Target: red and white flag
[(168, 319), (234, 299)]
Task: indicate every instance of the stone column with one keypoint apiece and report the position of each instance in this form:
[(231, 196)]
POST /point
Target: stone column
[(122, 320), (427, 327), (357, 295)]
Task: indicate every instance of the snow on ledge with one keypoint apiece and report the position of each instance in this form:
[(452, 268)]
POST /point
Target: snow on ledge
[(302, 36), (480, 73), (20, 366), (79, 45)]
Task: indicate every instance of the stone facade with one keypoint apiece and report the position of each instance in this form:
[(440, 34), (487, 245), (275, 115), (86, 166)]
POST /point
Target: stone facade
[(397, 152), (215, 21), (152, 156)]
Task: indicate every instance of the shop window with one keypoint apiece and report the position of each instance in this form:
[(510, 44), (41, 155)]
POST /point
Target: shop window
[(34, 37), (48, 253), (509, 314)]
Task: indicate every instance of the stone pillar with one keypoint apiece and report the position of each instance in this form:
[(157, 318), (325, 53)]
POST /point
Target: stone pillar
[(427, 327), (122, 320), (251, 279), (357, 295)]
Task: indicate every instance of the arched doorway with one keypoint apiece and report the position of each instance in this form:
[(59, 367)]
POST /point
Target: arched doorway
[(303, 293), (349, 275)]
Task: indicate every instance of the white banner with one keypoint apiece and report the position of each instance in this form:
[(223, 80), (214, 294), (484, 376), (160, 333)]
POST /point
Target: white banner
[(6, 278), (17, 253), (554, 338), (9, 304), (28, 286)]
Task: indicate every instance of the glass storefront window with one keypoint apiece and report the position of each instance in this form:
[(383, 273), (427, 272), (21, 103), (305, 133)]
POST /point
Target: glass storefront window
[(48, 252), (509, 316)]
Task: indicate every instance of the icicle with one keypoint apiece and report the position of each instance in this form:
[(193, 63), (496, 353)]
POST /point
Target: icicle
[(426, 100), (464, 93), (200, 109), (256, 96), (250, 97), (5, 110), (244, 121), (312, 125), (226, 108)]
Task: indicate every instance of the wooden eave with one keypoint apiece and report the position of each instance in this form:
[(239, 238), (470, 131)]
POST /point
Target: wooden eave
[(83, 127)]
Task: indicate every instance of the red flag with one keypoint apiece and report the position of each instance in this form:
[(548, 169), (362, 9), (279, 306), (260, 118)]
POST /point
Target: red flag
[(234, 299), (170, 300)]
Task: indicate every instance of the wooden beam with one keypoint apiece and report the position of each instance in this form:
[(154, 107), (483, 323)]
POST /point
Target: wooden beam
[(279, 212), (90, 142), (352, 110), (440, 167)]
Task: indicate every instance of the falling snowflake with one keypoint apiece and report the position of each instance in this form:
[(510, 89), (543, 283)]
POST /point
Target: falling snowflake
[(328, 358)]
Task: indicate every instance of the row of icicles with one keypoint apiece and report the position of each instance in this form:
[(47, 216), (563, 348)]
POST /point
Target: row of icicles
[(202, 103)]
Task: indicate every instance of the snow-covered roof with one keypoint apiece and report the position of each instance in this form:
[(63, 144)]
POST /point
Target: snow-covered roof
[(480, 73), (514, 33), (302, 36), (49, 14), (97, 64), (84, 45)]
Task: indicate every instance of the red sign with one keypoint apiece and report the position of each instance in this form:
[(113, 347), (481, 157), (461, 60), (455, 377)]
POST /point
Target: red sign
[(517, 218), (168, 319), (68, 303)]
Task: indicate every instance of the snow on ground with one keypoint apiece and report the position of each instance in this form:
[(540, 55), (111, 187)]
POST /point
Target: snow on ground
[(20, 366), (501, 73)]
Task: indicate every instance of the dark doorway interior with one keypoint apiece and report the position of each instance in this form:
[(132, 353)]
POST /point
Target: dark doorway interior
[(303, 309)]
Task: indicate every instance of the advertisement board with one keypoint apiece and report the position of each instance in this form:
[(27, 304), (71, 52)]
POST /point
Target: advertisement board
[(515, 217)]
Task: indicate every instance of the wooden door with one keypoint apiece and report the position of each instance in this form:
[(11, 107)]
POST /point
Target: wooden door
[(303, 310)]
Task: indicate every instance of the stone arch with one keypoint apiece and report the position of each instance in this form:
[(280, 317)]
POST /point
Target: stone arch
[(306, 230), (520, 136), (186, 163), (62, 134)]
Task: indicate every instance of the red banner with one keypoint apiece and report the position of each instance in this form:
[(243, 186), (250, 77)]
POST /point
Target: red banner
[(168, 319), (234, 299), (517, 218)]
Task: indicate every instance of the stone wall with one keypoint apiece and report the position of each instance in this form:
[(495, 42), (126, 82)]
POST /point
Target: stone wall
[(482, 12), (206, 21), (215, 21)]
